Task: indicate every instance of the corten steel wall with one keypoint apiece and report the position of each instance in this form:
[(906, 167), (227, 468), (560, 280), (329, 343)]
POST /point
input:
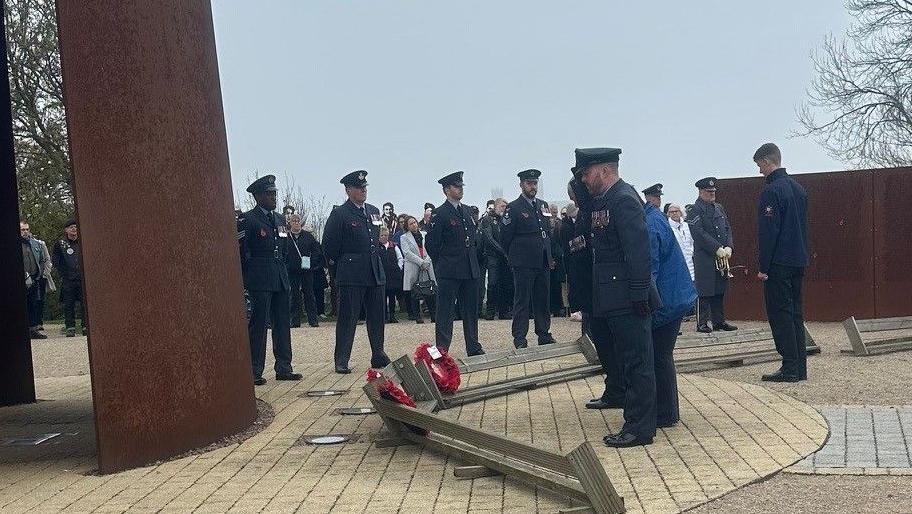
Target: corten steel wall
[(855, 223), (893, 242), (17, 384), (168, 349)]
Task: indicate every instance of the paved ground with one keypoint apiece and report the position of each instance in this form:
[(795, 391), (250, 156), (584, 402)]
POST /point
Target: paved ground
[(276, 469), (864, 440)]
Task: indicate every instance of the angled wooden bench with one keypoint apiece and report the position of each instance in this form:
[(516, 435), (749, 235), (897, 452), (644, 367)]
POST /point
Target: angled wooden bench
[(859, 330), (578, 475)]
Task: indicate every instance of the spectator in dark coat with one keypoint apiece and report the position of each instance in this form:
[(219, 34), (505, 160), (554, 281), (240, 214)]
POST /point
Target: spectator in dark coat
[(392, 264), (303, 256)]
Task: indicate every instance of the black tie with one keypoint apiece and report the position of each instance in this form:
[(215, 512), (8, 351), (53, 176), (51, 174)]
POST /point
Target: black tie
[(362, 211)]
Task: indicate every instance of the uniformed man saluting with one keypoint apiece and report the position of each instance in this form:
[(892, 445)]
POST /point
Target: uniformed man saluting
[(451, 245), (527, 241), (712, 241), (263, 238), (350, 240), (623, 294)]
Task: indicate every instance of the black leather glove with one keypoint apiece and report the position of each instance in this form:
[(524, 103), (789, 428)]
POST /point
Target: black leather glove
[(641, 308)]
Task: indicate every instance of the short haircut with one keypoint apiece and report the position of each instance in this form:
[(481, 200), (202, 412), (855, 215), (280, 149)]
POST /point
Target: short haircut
[(770, 152), (665, 208), (295, 216), (384, 230), (390, 205), (500, 200), (23, 221)]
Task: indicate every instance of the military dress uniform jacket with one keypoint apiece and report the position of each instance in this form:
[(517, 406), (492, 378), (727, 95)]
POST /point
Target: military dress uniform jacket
[(451, 243), (350, 239), (782, 226), (621, 268), (710, 230), (578, 248), (525, 234), (263, 239)]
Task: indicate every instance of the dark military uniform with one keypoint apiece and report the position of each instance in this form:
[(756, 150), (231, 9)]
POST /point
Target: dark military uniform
[(66, 257), (578, 247), (783, 248), (525, 233), (263, 237), (711, 231), (622, 295), (350, 239), (495, 262), (451, 243)]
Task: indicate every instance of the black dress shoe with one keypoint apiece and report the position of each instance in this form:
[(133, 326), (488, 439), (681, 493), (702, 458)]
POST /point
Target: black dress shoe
[(705, 329), (380, 362), (343, 370), (289, 376), (666, 424), (258, 381), (779, 377), (598, 403), (419, 321), (393, 320), (479, 351), (314, 324), (295, 325), (548, 340), (726, 326), (521, 344), (625, 440)]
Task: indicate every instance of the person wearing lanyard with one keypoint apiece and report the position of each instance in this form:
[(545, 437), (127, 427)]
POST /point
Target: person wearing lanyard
[(303, 256), (525, 232), (350, 239)]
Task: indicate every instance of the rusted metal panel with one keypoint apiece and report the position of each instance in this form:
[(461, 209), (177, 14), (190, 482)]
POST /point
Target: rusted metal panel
[(17, 384), (893, 242), (170, 360), (840, 279)]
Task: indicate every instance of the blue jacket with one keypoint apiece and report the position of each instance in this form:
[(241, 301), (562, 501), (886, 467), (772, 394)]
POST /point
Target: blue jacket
[(669, 270), (782, 222)]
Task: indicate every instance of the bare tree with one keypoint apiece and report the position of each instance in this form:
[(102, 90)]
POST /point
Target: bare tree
[(312, 208), (859, 107), (496, 192), (39, 119)]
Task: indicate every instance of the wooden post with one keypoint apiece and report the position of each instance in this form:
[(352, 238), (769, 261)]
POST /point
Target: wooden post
[(595, 480), (851, 328)]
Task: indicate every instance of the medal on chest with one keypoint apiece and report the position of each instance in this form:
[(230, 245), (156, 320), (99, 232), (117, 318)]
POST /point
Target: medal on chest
[(600, 219)]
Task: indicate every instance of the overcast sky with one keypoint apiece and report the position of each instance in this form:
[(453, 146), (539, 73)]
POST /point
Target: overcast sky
[(413, 90)]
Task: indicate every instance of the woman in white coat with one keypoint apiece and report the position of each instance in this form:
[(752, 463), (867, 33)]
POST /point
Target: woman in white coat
[(418, 266)]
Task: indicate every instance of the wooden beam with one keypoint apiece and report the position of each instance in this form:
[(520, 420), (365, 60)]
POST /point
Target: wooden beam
[(595, 481), (411, 381), (471, 394), (517, 356), (473, 472), (851, 328), (534, 455)]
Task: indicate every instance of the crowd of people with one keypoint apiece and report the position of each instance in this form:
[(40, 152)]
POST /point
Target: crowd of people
[(633, 271), (39, 265)]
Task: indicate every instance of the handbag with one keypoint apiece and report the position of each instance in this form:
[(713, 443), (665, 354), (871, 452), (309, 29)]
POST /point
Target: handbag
[(425, 288)]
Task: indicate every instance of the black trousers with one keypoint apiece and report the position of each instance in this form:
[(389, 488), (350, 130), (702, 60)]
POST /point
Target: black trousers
[(271, 306), (712, 308), (352, 300), (496, 302), (784, 309), (483, 281), (70, 293), (302, 289), (392, 295), (450, 290), (624, 346), (530, 289), (32, 297), (663, 342), (42, 298), (556, 291)]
